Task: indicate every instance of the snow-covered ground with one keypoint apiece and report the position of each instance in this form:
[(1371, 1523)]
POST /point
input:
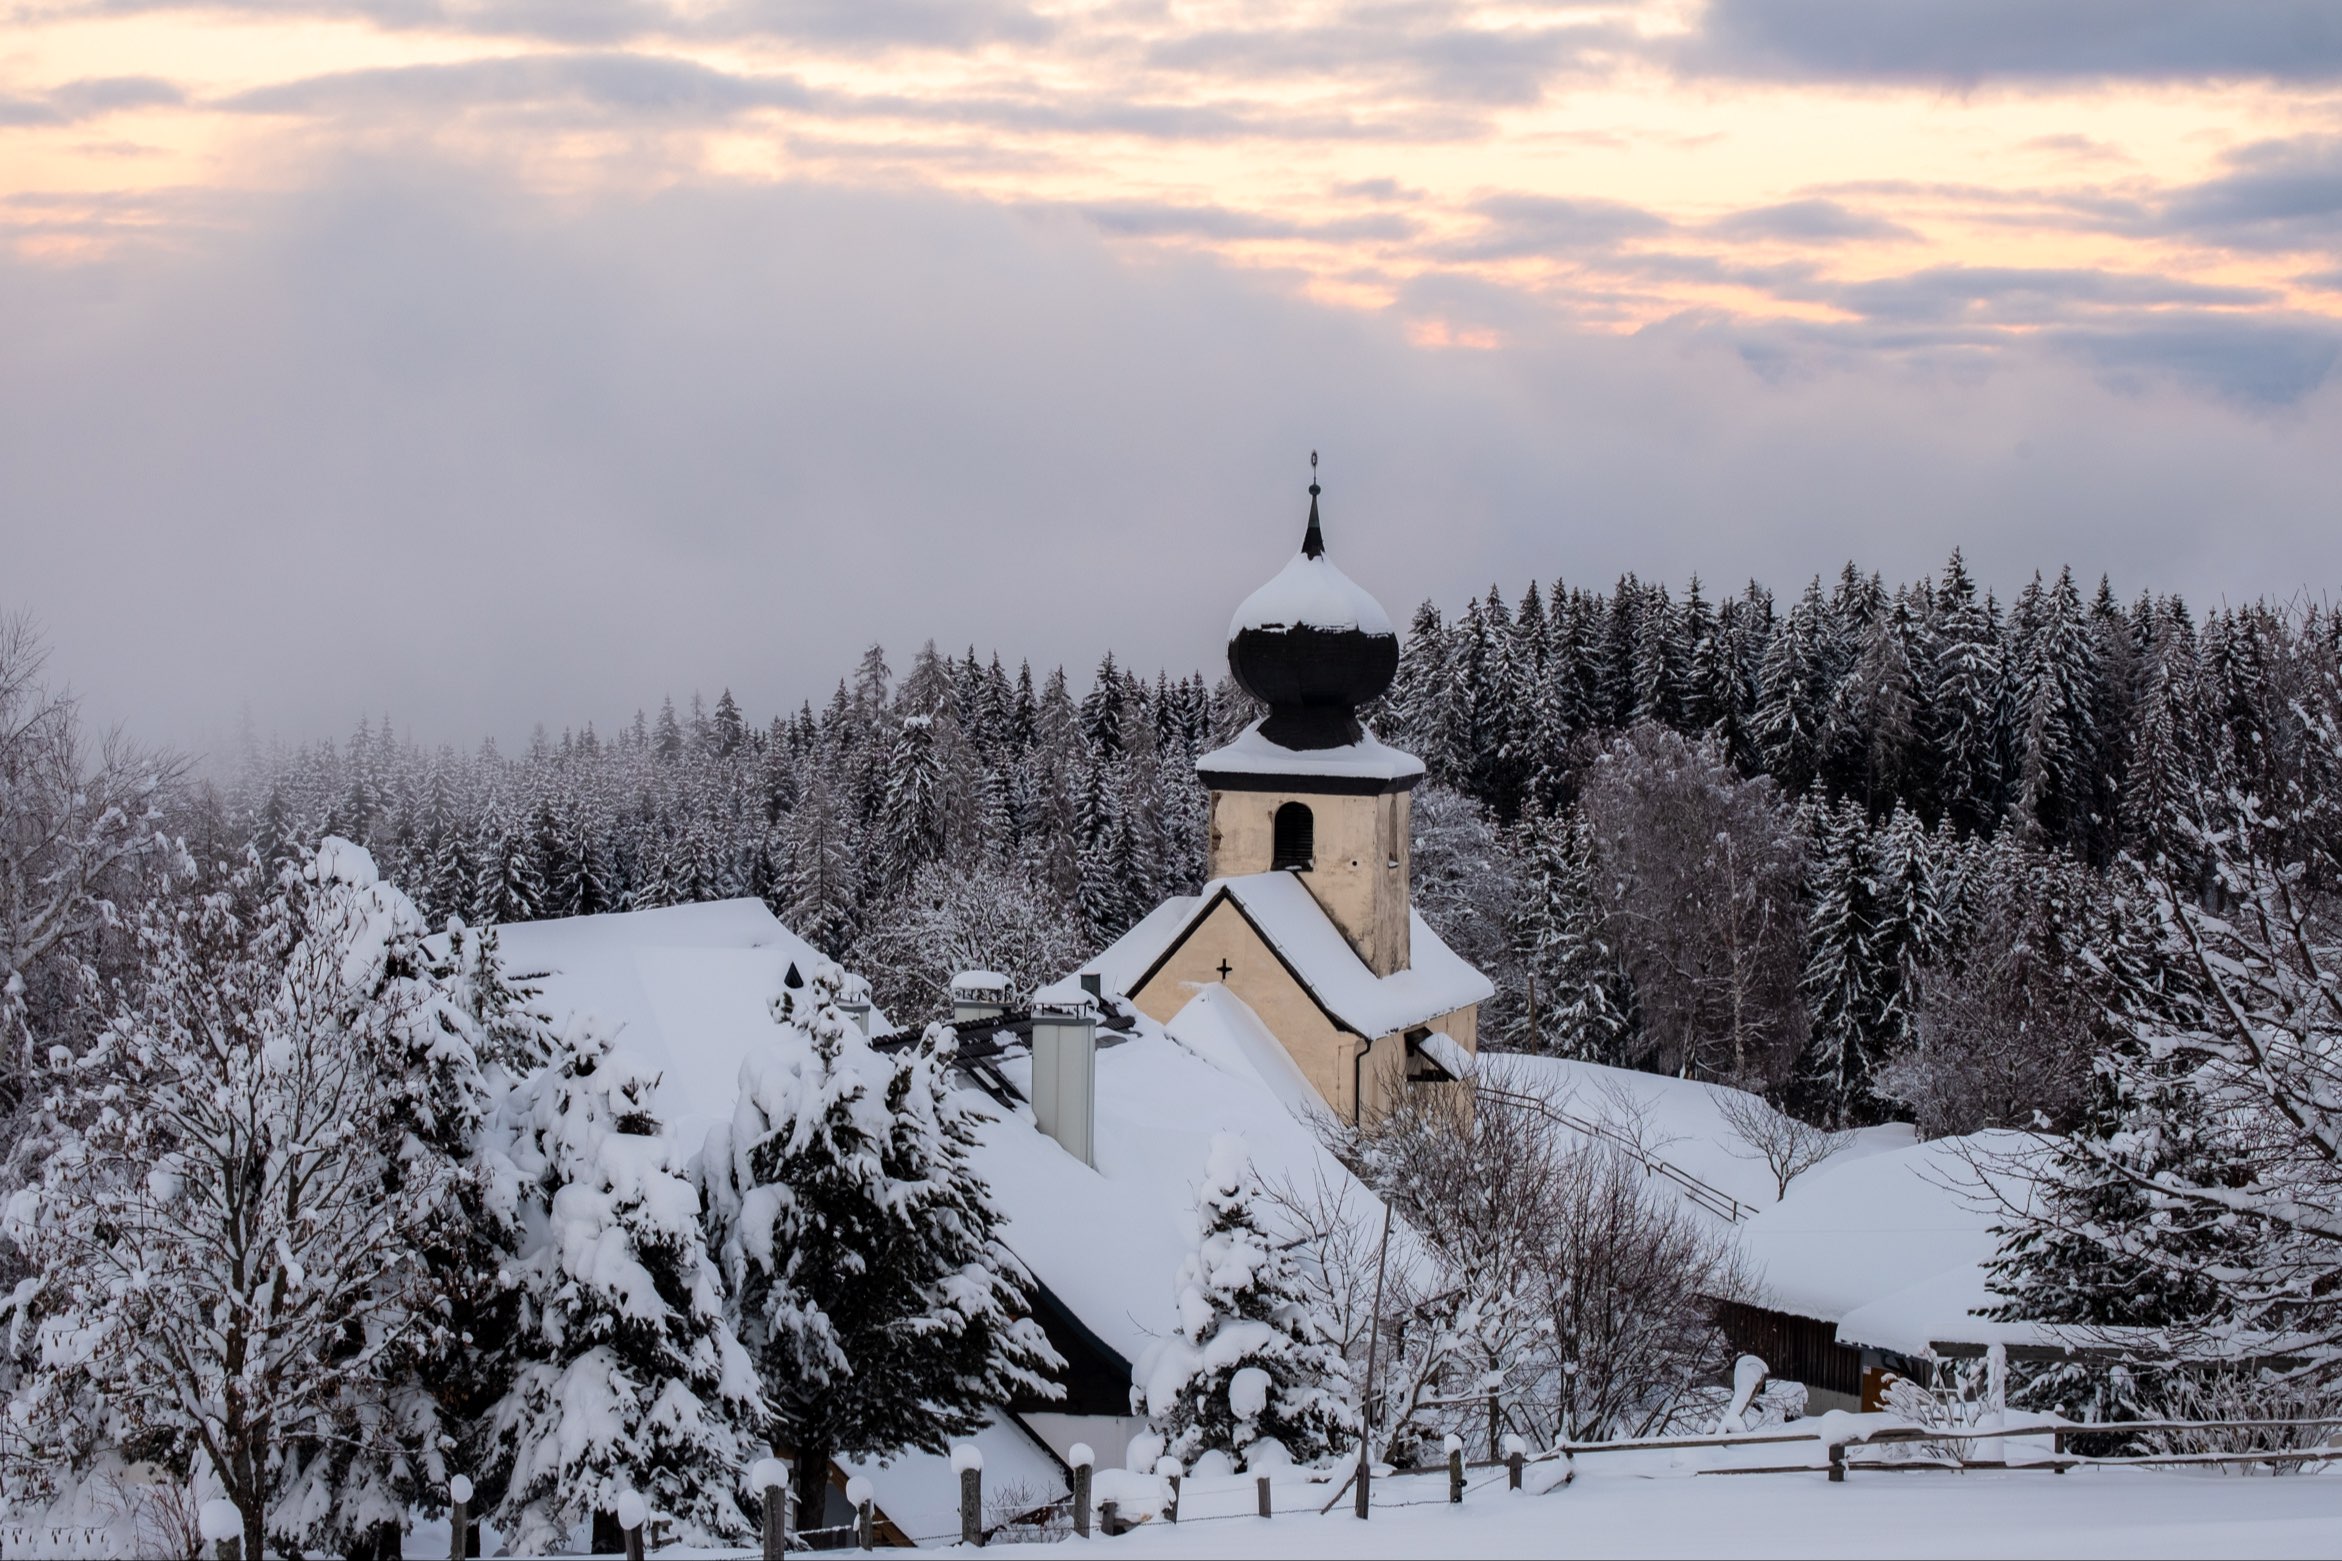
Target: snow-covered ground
[(2094, 1512)]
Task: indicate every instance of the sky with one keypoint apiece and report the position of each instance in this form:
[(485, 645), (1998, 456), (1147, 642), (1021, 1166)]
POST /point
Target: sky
[(486, 362)]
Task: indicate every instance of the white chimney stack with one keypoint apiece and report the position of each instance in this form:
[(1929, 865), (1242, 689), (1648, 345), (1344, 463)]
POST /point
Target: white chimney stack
[(1065, 1076), (978, 995)]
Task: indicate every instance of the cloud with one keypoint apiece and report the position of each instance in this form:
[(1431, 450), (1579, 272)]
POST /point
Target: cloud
[(1142, 219), (1813, 221), (2024, 295), (635, 87), (1515, 226), (2284, 194), (1966, 42), (411, 439), (1426, 50), (846, 25), (87, 99)]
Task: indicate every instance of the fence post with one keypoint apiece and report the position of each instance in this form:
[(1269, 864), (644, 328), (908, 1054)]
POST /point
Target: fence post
[(1109, 1520), (1262, 1486), (1083, 1461), (459, 1516), (1455, 1468), (1837, 1463), (1516, 1458), (631, 1515), (864, 1500), (1495, 1380), (770, 1479), (969, 1461), (1168, 1467), (220, 1522)]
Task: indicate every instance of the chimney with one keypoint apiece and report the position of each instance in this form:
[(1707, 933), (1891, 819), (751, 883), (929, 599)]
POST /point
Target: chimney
[(1065, 1071), (978, 995)]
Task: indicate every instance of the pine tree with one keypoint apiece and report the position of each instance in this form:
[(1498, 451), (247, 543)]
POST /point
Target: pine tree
[(1966, 722), (1790, 722), (632, 1379), (1583, 1002), (1251, 1365), (2057, 695), (1843, 977), (868, 1280)]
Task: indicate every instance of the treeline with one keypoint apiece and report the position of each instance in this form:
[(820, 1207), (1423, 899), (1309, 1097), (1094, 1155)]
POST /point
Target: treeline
[(1771, 846)]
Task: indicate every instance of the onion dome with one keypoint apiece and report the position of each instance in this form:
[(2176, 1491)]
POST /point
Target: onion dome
[(1313, 646)]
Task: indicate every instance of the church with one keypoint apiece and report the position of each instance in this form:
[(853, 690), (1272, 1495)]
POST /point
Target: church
[(1306, 915)]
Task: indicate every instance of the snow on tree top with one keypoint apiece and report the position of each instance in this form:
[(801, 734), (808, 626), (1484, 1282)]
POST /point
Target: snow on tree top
[(1310, 593)]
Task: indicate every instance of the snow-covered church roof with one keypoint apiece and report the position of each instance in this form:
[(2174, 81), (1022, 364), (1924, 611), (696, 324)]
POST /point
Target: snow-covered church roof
[(1367, 759), (1289, 919)]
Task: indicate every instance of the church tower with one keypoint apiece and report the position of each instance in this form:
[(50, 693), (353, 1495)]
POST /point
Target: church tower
[(1307, 789), (1303, 936)]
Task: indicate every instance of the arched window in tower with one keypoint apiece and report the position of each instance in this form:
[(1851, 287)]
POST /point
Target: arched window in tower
[(1296, 842)]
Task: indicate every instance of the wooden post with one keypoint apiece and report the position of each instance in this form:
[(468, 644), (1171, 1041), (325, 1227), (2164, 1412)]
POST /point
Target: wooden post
[(1513, 1465), (1168, 1467), (972, 1504), (631, 1516), (1494, 1415), (459, 1516), (770, 1479), (1262, 1486), (1109, 1520), (1837, 1463), (221, 1522), (1083, 1461), (1455, 1469), (1373, 1342), (863, 1498)]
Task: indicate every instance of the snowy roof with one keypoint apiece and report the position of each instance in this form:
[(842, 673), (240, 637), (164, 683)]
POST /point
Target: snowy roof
[(1310, 593), (919, 1493), (1366, 759), (1436, 982), (1108, 1241), (689, 987), (1893, 1247)]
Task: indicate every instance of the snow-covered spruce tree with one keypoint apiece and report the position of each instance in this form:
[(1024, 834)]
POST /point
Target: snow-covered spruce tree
[(867, 1278), (1251, 1371), (631, 1378), (1583, 1002), (229, 1252)]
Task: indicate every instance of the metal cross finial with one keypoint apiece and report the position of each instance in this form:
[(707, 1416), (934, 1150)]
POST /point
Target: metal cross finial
[(1313, 542), (1313, 474)]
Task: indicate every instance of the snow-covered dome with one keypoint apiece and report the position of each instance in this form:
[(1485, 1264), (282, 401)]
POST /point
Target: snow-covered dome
[(1313, 646)]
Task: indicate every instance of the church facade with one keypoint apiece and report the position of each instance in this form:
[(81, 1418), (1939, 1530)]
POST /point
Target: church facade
[(1306, 916)]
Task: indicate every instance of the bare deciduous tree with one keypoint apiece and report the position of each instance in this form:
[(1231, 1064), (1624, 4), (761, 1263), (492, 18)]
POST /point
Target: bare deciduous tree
[(1787, 1146), (1699, 872)]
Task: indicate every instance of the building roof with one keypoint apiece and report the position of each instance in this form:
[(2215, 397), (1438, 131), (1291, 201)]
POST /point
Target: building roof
[(689, 988), (1894, 1247), (1254, 756), (1296, 928)]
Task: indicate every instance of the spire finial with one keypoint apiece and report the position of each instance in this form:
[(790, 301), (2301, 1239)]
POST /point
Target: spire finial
[(1313, 542)]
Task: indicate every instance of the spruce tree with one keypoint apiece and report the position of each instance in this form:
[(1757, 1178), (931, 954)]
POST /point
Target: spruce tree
[(1584, 1004), (1251, 1369), (868, 1281), (632, 1379)]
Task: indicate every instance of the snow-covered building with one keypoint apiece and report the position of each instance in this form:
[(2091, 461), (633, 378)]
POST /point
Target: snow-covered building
[(1306, 916)]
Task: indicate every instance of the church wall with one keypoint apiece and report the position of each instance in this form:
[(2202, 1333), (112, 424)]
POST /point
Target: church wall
[(1364, 854), (1321, 1050)]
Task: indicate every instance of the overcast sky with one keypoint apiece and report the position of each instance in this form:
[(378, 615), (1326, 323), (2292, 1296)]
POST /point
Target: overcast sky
[(484, 362)]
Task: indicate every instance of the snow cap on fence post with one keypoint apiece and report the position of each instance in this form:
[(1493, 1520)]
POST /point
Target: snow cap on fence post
[(460, 1488), (862, 1496), (631, 1510), (1171, 1470), (1080, 1456), (966, 1456), (219, 1522), (768, 1474)]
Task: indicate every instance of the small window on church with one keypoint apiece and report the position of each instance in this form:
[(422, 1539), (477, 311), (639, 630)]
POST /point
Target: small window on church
[(1296, 844)]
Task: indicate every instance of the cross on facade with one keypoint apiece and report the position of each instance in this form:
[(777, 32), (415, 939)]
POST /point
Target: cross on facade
[(1225, 967)]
